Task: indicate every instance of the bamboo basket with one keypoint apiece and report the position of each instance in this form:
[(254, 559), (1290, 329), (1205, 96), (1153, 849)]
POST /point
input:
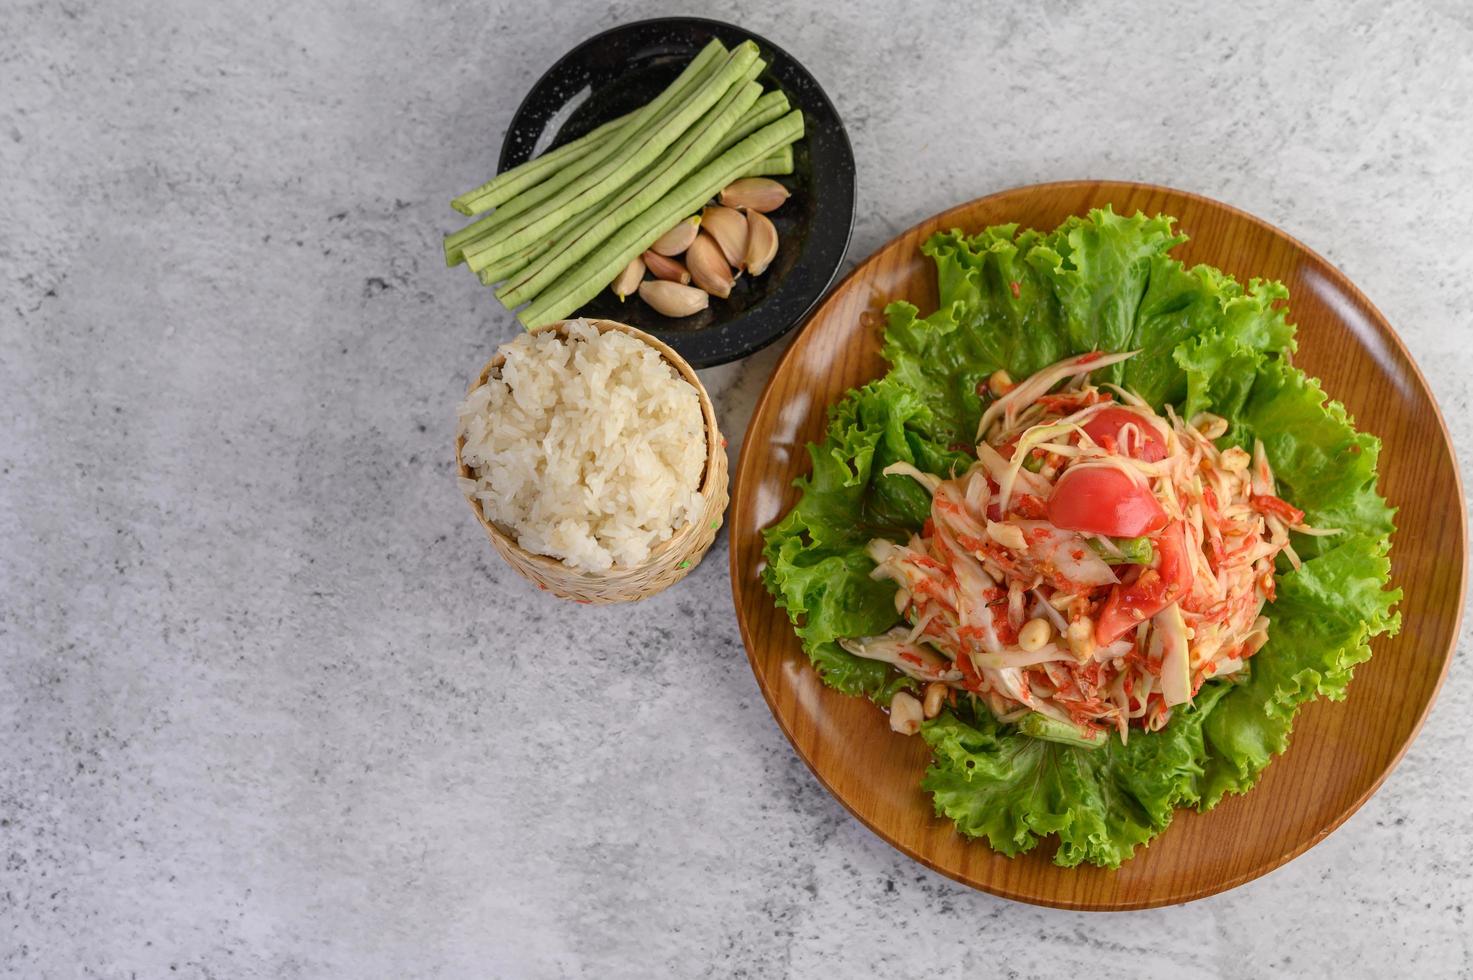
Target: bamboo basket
[(671, 560)]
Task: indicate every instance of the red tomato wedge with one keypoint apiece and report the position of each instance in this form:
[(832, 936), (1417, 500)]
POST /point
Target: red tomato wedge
[(1104, 500), (1156, 588), (1106, 425)]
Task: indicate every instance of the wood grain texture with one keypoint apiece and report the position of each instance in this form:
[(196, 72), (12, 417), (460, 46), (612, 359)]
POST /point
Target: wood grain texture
[(1340, 752), (670, 560)]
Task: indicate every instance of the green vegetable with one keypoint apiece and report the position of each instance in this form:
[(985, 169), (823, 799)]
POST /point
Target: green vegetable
[(506, 185), (768, 109), (645, 190), (1013, 790), (699, 72), (561, 219), (622, 164), (1136, 551), (513, 264), (1133, 551), (584, 281), (562, 190), (776, 165), (1036, 725), (1021, 300)]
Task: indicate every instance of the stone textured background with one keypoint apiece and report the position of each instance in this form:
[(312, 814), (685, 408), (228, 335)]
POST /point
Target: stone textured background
[(270, 707)]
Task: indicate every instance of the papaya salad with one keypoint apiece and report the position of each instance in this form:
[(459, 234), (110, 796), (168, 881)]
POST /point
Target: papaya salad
[(1094, 566), (1100, 593)]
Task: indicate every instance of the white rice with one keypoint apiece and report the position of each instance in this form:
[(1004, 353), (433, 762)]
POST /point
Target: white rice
[(590, 451)]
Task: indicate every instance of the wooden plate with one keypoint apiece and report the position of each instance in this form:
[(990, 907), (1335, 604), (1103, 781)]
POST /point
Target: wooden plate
[(1340, 753)]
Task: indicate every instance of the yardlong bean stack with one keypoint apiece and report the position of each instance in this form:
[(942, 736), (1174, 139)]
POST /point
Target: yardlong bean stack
[(558, 229)]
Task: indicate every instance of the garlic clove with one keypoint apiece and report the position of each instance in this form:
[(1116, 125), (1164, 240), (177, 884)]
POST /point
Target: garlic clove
[(708, 266), (663, 267), (729, 229), (678, 239), (755, 194), (761, 243), (671, 298), (628, 280)]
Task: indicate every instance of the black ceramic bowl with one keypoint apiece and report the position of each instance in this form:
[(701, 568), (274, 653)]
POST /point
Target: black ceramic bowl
[(621, 69)]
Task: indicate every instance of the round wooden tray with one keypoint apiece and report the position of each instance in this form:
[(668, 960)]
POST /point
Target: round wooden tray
[(1340, 753)]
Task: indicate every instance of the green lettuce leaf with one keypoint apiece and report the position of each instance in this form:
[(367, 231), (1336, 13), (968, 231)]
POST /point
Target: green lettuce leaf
[(1019, 301), (817, 568), (1102, 803), (1320, 462), (1320, 627)]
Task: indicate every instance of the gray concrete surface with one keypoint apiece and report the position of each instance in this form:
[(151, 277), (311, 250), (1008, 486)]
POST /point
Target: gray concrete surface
[(269, 707)]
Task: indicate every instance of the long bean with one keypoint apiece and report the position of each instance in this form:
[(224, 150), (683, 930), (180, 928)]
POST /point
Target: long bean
[(482, 228), (504, 269), (653, 116), (507, 184), (630, 158), (510, 266), (698, 72), (482, 231), (584, 281), (685, 156), (770, 108), (776, 165)]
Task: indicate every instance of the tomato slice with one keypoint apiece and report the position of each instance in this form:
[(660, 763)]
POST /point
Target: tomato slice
[(1106, 425), (1104, 500), (1153, 591)]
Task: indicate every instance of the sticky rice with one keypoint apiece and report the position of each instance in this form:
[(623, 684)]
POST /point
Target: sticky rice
[(589, 450)]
